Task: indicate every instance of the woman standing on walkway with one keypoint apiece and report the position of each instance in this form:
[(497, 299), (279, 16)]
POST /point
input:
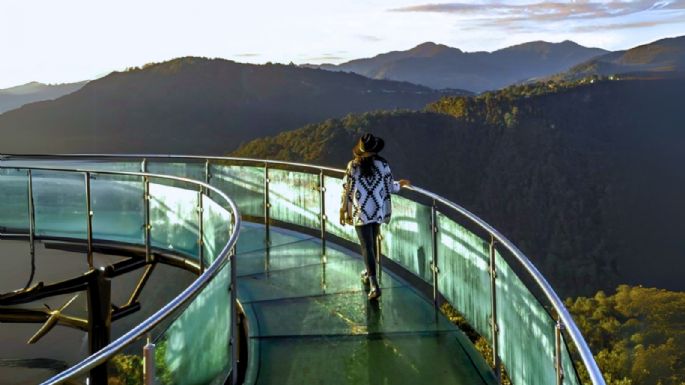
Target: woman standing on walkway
[(366, 201)]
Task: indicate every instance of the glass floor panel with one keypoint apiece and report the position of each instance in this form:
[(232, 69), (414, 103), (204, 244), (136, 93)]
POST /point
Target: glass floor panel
[(310, 322), (427, 358)]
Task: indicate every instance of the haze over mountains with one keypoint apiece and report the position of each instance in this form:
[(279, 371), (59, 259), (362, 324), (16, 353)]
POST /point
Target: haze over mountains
[(196, 106), (439, 66), (15, 97), (662, 58)]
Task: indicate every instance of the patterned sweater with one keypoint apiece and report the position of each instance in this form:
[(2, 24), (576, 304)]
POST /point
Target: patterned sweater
[(367, 200)]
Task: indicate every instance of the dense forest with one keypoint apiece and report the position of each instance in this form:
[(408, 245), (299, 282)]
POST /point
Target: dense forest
[(585, 177), (637, 334)]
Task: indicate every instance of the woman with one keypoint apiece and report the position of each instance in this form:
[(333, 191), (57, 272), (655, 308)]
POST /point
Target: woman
[(366, 204)]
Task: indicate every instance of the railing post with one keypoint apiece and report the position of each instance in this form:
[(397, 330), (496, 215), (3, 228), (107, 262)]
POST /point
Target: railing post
[(379, 257), (493, 320), (557, 352), (234, 319), (146, 202), (434, 260), (89, 223), (32, 228), (149, 362), (208, 175), (200, 230), (32, 215), (322, 217), (267, 218)]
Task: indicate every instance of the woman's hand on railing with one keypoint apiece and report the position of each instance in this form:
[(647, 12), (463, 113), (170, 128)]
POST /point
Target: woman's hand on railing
[(404, 182)]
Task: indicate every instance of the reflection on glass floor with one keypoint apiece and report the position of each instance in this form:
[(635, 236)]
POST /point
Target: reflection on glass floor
[(310, 323)]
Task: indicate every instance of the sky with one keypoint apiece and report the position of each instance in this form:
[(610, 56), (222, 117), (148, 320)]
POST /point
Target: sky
[(71, 40)]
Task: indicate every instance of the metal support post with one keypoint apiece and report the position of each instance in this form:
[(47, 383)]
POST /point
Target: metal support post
[(267, 219), (149, 362), (208, 175), (200, 231), (147, 226), (89, 214), (32, 216), (493, 321), (322, 217), (557, 352), (234, 319), (99, 321), (434, 260)]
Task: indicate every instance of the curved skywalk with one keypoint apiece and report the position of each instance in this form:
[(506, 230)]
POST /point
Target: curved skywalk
[(310, 322)]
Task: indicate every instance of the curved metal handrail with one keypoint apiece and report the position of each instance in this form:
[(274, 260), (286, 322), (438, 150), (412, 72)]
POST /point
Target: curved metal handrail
[(183, 298), (565, 317)]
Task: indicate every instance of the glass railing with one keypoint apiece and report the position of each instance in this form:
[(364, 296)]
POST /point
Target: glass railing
[(460, 259), (162, 216)]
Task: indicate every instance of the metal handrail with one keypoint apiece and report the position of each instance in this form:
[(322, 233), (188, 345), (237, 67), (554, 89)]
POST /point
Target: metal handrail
[(186, 295), (565, 317)]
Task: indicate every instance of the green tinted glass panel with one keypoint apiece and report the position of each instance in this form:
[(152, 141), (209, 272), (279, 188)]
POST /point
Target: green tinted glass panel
[(118, 208), (112, 164), (174, 218), (526, 331), (570, 374), (294, 197), (14, 204), (244, 184), (196, 346), (60, 204), (408, 239), (194, 171), (464, 280), (333, 198), (216, 228)]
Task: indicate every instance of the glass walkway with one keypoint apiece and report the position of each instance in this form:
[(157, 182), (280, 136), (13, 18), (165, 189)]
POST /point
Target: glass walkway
[(277, 298), (311, 323)]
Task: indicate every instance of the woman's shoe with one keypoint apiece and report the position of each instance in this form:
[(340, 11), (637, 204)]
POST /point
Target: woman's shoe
[(374, 293), (365, 277)]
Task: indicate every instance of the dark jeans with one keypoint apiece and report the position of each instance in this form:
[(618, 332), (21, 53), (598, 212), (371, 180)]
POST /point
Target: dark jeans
[(368, 234)]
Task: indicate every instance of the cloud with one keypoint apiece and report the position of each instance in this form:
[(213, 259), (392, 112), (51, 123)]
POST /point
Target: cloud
[(369, 38), (248, 54), (325, 57), (535, 15), (627, 25)]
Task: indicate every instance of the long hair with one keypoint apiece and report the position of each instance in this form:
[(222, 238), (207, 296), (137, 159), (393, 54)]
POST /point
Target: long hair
[(366, 165)]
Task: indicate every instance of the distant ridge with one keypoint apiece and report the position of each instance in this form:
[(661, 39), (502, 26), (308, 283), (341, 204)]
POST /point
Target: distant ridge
[(661, 58), (439, 66), (197, 106), (15, 97)]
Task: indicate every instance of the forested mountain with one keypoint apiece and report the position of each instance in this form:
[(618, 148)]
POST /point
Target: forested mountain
[(439, 66), (196, 105), (658, 59), (15, 97), (587, 180)]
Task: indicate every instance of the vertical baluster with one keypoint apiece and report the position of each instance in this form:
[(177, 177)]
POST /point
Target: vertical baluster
[(267, 219), (200, 230), (434, 260), (89, 223), (557, 352), (493, 320)]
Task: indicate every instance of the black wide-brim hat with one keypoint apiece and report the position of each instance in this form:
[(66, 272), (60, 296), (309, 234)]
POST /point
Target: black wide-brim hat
[(368, 145)]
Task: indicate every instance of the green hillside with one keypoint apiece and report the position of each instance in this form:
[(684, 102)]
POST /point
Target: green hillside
[(586, 179)]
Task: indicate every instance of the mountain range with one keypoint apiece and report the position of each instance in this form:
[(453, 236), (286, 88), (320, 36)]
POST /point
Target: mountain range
[(196, 105), (15, 97), (662, 58), (439, 66)]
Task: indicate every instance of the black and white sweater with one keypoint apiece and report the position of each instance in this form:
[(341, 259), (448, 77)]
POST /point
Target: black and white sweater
[(367, 200)]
